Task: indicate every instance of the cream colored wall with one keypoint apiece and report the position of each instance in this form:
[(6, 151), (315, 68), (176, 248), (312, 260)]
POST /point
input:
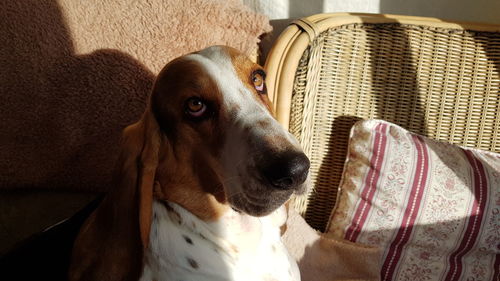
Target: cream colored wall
[(463, 10)]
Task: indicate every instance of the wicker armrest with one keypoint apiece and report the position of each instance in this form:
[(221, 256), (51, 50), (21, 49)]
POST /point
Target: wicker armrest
[(435, 78)]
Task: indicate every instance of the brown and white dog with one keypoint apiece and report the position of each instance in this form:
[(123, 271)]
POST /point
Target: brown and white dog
[(200, 183)]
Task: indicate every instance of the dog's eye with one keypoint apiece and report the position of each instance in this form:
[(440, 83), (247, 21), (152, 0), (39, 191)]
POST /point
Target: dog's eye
[(258, 80), (195, 107)]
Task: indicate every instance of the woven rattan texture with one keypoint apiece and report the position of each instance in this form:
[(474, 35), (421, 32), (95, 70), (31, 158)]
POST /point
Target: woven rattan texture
[(441, 83)]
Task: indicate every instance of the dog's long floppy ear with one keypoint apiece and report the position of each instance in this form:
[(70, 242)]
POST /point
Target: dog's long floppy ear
[(111, 243)]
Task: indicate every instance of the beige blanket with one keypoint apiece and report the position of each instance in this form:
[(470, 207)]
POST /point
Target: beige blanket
[(325, 259), (74, 73)]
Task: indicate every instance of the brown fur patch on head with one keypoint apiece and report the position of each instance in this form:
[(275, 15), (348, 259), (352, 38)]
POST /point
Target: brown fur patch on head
[(187, 173), (179, 80)]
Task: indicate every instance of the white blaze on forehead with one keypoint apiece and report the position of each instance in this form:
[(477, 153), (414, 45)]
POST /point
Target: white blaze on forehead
[(218, 64)]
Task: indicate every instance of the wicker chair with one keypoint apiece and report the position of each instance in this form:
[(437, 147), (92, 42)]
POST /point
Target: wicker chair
[(436, 78)]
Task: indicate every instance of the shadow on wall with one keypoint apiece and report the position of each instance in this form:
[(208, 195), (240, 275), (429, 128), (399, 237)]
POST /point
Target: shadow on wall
[(298, 8), (62, 113), (462, 10)]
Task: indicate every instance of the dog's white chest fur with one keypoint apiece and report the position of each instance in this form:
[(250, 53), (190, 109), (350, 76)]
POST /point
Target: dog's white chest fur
[(236, 247)]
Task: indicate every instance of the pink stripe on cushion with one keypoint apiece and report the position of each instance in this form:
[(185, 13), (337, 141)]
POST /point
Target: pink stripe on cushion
[(359, 218), (471, 233), (411, 211)]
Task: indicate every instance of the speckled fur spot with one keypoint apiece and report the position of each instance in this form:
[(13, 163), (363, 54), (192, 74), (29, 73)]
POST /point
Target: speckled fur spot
[(193, 263), (187, 239)]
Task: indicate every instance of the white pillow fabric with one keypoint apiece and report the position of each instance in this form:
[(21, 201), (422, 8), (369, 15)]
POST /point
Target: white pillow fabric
[(432, 207)]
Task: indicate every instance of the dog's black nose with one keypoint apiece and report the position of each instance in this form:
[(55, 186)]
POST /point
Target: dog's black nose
[(286, 171)]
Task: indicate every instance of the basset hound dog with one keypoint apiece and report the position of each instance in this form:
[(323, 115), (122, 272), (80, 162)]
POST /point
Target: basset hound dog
[(201, 182)]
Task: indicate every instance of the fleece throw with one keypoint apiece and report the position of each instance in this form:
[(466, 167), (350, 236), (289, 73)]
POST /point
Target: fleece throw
[(75, 73)]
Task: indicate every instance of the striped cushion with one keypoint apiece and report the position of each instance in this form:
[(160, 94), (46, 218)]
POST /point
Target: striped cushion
[(433, 207)]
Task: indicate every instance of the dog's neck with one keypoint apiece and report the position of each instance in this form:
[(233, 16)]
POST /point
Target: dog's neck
[(235, 247)]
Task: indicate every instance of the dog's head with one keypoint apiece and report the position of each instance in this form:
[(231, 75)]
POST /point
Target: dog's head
[(208, 142), (212, 106)]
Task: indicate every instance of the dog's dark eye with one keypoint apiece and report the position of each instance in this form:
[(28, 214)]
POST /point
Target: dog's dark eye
[(258, 78), (195, 107)]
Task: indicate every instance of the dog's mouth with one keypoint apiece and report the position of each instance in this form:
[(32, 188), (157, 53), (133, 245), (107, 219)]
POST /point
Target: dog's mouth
[(258, 198), (259, 205)]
